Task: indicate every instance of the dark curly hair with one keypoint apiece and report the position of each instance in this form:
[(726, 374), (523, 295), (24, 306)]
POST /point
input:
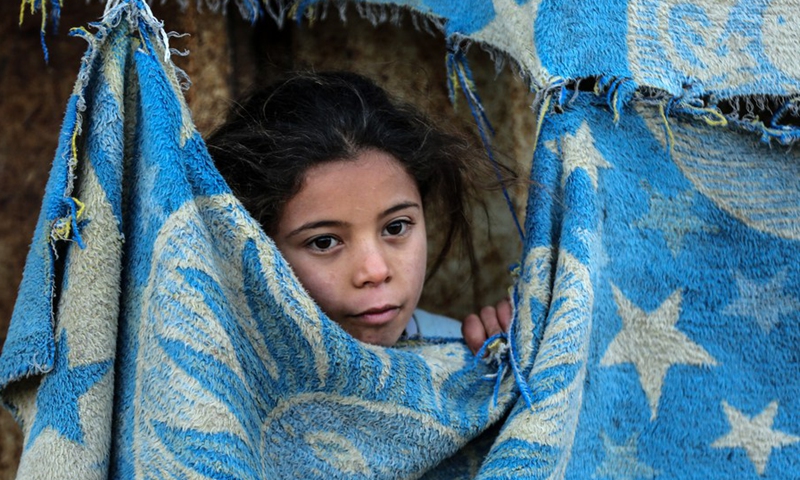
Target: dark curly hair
[(272, 137)]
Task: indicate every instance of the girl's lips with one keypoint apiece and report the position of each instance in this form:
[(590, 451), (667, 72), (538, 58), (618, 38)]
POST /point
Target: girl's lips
[(377, 316)]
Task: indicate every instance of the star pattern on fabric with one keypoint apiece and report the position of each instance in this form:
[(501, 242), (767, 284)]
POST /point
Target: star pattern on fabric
[(755, 435), (622, 461), (580, 152), (510, 16), (766, 302), (58, 395), (652, 343), (673, 217)]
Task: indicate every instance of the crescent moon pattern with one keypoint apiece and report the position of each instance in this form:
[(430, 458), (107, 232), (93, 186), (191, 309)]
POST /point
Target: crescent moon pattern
[(757, 184), (734, 46)]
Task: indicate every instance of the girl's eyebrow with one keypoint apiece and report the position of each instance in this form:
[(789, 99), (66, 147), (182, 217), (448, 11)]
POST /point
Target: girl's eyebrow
[(319, 224), (340, 224), (398, 207)]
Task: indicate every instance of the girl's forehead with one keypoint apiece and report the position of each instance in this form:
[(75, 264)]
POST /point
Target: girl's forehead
[(368, 184), (370, 169), (370, 160)]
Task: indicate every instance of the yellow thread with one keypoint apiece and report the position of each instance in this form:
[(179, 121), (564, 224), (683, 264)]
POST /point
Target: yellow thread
[(462, 78), (540, 121), (61, 229), (22, 11), (721, 120), (44, 14), (470, 85), (453, 84), (454, 78), (81, 207), (312, 18), (614, 105), (495, 345), (74, 144), (772, 131), (32, 3), (670, 136), (142, 39), (293, 10)]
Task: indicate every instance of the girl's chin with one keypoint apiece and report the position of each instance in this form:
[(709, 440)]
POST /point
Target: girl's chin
[(382, 328), (386, 336)]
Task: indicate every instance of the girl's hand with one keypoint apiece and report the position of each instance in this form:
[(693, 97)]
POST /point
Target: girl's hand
[(492, 320)]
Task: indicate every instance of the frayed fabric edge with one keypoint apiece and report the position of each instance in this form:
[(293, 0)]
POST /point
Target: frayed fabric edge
[(138, 14), (67, 214), (775, 118)]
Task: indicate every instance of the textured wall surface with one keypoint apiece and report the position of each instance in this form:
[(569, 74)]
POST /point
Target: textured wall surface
[(228, 56)]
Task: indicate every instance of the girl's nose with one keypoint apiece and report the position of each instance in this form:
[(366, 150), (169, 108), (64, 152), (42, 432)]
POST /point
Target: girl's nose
[(372, 268)]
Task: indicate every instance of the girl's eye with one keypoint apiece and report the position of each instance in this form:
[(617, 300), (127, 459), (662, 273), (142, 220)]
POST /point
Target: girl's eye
[(323, 243), (396, 228)]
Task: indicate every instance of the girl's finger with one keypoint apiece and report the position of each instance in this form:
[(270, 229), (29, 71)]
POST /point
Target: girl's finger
[(489, 320), (473, 332), (504, 314)]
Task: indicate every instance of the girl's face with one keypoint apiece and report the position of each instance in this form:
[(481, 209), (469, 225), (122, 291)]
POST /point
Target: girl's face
[(355, 236)]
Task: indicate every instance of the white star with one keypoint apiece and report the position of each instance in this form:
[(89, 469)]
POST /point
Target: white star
[(755, 435), (621, 461), (652, 343), (512, 17), (580, 152), (673, 216), (765, 302)]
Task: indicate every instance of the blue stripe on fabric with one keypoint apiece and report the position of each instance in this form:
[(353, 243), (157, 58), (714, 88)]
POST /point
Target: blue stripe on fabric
[(103, 148), (517, 458), (204, 178), (213, 455), (580, 225)]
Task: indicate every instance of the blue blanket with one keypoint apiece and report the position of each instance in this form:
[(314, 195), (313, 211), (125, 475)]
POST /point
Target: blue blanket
[(159, 334)]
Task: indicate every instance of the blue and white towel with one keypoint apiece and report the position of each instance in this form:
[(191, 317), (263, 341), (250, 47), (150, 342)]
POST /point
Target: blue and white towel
[(159, 333)]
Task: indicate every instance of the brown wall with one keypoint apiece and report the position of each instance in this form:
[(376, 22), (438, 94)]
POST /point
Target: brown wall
[(227, 56)]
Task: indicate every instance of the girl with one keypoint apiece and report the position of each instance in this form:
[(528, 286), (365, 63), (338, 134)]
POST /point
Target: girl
[(343, 178)]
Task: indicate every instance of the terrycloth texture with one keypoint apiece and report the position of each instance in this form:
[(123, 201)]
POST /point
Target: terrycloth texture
[(656, 305), (690, 355)]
